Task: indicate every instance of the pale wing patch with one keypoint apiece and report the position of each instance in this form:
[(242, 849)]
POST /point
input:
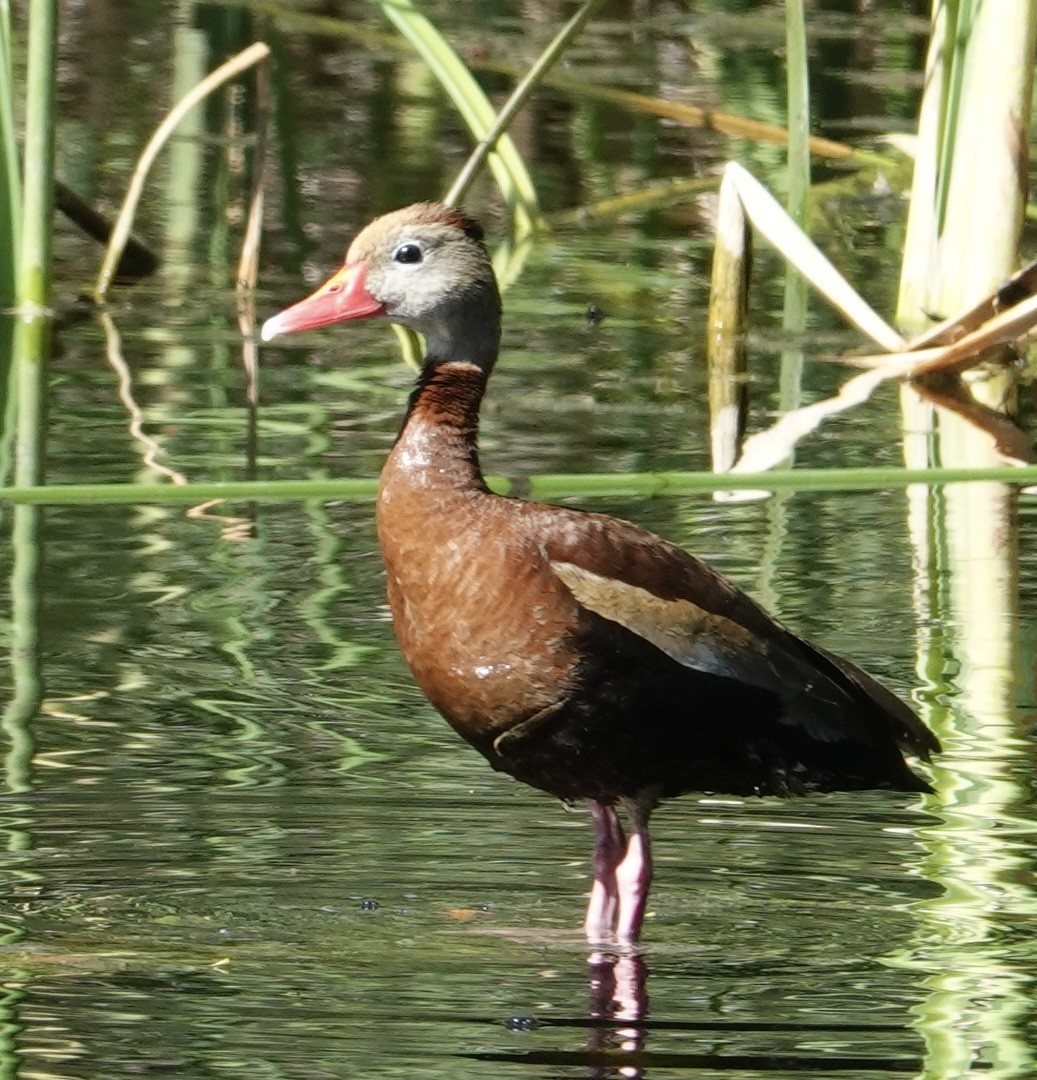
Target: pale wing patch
[(681, 629)]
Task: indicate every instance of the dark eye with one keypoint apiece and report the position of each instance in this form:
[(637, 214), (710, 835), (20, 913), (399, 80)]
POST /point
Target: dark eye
[(407, 253)]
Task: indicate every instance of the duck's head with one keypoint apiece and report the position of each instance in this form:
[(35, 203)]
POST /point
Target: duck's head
[(424, 267)]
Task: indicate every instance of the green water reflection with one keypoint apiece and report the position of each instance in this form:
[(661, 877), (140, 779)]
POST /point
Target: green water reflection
[(240, 842), (241, 818)]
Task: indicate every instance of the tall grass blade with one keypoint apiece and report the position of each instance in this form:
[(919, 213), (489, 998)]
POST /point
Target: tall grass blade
[(920, 241), (726, 334), (959, 16), (33, 285), (186, 160), (797, 91), (543, 486), (34, 255), (798, 153), (968, 196), (10, 208), (981, 223), (10, 169)]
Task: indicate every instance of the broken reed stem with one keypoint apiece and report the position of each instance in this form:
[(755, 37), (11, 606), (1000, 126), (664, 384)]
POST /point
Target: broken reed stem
[(725, 335), (781, 231)]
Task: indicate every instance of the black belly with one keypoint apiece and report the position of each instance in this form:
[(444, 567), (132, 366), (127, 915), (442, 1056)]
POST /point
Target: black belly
[(639, 722)]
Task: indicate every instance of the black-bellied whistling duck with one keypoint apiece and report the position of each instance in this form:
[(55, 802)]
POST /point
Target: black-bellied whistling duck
[(575, 651)]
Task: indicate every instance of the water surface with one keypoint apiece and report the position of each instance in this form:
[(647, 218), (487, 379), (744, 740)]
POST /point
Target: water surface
[(241, 843)]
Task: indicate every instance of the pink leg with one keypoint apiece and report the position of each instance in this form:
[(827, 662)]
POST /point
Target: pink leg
[(609, 847), (633, 877)]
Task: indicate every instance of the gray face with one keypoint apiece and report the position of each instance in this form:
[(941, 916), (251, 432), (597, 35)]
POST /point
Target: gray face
[(434, 278)]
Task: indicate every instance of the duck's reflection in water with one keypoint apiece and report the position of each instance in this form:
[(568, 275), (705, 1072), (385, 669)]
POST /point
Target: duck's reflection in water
[(618, 1004)]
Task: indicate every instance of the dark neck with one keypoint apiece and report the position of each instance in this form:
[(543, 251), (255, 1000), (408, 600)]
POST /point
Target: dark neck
[(436, 445)]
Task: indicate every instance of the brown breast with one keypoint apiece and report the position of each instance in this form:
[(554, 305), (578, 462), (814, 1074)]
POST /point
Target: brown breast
[(481, 619)]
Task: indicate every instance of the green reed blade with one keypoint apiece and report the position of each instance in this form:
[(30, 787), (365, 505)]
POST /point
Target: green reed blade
[(519, 97), (797, 92), (34, 263), (28, 377), (545, 486), (505, 162), (797, 153)]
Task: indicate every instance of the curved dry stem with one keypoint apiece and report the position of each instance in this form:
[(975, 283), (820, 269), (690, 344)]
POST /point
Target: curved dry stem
[(124, 223)]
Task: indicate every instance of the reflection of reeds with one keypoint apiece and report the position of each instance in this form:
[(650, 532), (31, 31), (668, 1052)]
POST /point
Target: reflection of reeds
[(248, 263), (20, 711), (963, 237), (965, 541), (151, 449)]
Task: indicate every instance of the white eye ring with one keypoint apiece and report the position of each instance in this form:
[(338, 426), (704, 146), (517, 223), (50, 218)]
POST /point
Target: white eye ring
[(408, 253)]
